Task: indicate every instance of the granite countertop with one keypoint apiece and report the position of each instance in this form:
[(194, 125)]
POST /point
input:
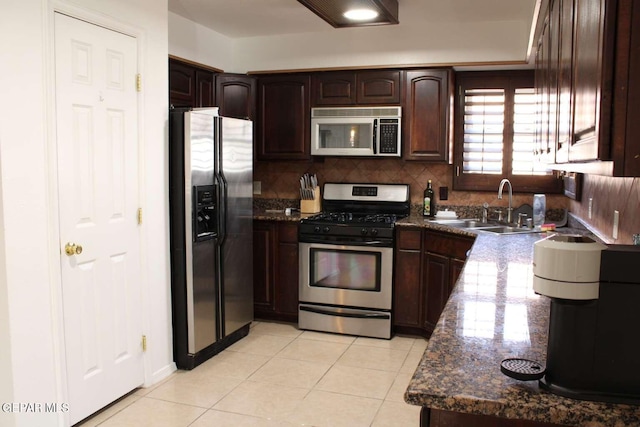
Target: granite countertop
[(494, 314), (271, 215)]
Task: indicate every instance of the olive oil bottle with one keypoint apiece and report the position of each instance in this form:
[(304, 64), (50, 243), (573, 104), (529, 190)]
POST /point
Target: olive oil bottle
[(429, 201)]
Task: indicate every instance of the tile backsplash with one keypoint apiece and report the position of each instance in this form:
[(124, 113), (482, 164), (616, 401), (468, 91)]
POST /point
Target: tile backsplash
[(610, 194), (280, 180)]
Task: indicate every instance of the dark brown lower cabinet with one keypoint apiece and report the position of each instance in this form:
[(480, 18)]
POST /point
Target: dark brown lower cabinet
[(444, 257), (427, 266), (439, 418), (437, 287), (286, 284), (407, 292), (264, 249), (275, 270)]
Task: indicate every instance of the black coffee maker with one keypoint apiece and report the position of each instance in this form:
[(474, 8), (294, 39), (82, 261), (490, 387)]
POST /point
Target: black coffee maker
[(593, 350)]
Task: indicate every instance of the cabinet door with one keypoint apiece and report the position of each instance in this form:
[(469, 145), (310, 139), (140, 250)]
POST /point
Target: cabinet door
[(333, 88), (284, 118), (456, 268), (589, 99), (437, 279), (426, 115), (287, 272), (205, 91), (378, 87), (263, 267), (182, 84), (236, 95), (542, 91), (407, 291), (626, 126), (565, 64), (549, 149)]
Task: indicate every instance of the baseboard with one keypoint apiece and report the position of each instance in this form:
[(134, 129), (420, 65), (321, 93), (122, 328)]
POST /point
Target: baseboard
[(160, 374)]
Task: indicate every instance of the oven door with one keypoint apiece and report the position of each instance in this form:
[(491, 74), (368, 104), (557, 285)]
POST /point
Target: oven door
[(346, 275)]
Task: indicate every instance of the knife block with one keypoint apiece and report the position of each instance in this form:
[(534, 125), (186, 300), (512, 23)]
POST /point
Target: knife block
[(311, 206)]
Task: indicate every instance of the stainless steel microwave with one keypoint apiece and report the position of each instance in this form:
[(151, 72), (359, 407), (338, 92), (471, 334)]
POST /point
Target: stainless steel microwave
[(356, 131)]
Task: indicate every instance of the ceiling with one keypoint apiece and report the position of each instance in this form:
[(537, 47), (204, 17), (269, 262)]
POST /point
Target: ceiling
[(257, 18)]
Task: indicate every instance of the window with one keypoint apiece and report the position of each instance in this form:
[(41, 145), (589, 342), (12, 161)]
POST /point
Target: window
[(495, 133)]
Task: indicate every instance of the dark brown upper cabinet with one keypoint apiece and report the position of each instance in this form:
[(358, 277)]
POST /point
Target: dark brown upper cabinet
[(236, 95), (378, 87), (333, 88), (593, 94), (182, 84), (284, 117), (205, 89), (190, 85), (426, 114), (591, 81), (350, 88), (564, 8)]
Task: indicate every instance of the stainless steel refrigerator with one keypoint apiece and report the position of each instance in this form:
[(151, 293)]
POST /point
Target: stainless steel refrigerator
[(211, 217)]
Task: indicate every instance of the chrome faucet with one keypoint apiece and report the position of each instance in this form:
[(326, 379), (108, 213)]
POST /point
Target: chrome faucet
[(485, 212), (509, 209)]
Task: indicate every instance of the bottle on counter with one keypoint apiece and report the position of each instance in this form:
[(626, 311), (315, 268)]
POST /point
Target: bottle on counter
[(429, 201), (539, 209)]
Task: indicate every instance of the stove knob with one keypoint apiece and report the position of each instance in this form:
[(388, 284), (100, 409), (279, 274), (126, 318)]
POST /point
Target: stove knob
[(316, 229), (374, 231), (326, 229), (364, 231)]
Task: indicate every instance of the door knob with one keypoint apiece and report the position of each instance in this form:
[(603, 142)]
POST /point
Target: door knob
[(72, 249)]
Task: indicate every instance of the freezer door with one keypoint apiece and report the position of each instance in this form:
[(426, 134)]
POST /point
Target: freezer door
[(236, 174), (201, 255)]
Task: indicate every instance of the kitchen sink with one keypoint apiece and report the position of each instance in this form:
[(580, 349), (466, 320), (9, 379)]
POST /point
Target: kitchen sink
[(490, 227), (506, 229), (462, 223)]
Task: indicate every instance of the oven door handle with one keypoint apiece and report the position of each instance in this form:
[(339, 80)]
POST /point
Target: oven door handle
[(338, 314), (373, 243)]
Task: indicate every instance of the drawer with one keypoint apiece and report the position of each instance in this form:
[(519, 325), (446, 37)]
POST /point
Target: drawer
[(447, 244), (408, 238), (288, 232)]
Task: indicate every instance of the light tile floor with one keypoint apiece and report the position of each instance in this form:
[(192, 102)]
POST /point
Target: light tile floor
[(281, 376)]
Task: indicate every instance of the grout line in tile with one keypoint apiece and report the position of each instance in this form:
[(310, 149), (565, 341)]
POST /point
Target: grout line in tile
[(300, 336)]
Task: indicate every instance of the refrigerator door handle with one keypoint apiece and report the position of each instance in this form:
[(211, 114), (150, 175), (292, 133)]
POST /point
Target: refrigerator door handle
[(222, 182), (222, 208)]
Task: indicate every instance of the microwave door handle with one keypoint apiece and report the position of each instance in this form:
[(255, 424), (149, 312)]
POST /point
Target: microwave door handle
[(375, 134)]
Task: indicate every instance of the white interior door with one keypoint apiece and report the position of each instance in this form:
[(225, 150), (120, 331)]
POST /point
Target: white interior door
[(97, 128)]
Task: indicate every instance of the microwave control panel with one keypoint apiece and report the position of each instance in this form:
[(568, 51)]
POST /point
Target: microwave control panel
[(389, 136)]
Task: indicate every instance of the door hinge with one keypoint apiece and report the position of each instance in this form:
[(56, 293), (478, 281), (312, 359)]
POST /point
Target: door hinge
[(144, 343), (139, 82), (139, 216)]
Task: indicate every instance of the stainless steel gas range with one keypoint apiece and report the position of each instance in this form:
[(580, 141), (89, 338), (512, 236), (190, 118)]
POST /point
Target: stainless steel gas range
[(346, 259)]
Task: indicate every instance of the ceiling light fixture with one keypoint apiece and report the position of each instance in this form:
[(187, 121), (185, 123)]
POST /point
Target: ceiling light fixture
[(337, 12), (360, 14)]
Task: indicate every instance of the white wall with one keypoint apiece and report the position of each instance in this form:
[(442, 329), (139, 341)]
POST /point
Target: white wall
[(30, 314), (435, 44), (426, 41), (6, 388), (197, 43)]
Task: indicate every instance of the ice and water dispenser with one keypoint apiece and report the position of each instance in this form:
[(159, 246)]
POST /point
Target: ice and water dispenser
[(205, 223)]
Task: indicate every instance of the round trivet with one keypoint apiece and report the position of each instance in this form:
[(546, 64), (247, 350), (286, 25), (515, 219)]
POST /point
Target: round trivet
[(522, 369)]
